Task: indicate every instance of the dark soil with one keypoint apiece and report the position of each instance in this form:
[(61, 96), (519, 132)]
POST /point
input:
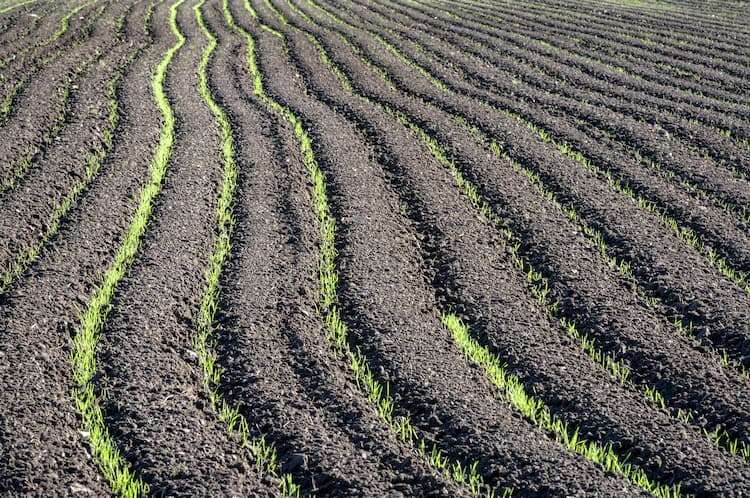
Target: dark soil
[(672, 125)]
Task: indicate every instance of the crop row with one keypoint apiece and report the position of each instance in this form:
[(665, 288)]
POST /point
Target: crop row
[(540, 55), (565, 148), (359, 64), (715, 255), (636, 67), (551, 71)]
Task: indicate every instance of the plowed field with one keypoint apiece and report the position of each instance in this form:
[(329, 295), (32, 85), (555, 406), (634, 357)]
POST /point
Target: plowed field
[(374, 248)]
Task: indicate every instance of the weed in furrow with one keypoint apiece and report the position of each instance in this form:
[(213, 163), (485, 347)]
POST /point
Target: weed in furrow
[(539, 287), (377, 392), (265, 454), (123, 480)]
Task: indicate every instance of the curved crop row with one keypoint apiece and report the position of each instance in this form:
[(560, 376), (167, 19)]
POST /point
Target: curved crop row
[(377, 392), (6, 107), (83, 355), (522, 402), (93, 161), (442, 54), (25, 161), (686, 234), (8, 8), (64, 24), (265, 455)]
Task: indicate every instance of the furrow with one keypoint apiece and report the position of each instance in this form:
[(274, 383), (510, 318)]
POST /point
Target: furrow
[(86, 340), (578, 55), (28, 135), (20, 22), (324, 434), (265, 455), (308, 57), (156, 409), (721, 138), (608, 45), (543, 59), (674, 42), (21, 35), (11, 7), (435, 230), (35, 53), (680, 24), (42, 308), (730, 133), (378, 393), (600, 236), (24, 32)]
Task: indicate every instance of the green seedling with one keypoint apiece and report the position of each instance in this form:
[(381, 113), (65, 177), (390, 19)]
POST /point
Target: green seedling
[(377, 392), (123, 480)]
